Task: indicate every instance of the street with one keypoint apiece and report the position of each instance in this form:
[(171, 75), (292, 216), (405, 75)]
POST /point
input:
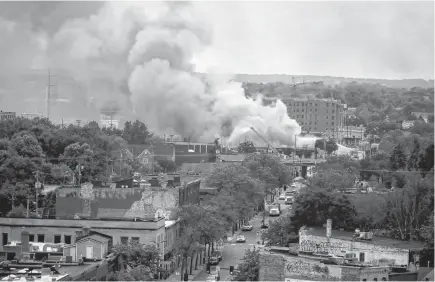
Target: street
[(233, 252)]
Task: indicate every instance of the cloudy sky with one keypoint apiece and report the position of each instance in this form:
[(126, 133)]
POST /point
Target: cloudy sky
[(353, 39), (346, 38)]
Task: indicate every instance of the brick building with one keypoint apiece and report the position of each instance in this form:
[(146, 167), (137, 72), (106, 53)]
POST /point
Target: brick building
[(314, 115)]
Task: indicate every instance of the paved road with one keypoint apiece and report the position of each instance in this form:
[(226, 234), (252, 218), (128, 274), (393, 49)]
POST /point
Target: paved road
[(233, 253)]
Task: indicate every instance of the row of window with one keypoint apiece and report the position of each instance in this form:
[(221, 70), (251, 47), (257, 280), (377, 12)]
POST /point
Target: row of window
[(311, 117), (315, 123), (40, 238), (302, 110), (124, 240), (295, 104)]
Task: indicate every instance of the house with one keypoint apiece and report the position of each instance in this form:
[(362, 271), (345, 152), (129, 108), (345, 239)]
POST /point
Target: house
[(92, 247), (146, 157)]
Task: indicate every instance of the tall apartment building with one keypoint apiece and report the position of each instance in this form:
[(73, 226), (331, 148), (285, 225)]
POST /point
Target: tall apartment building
[(315, 115)]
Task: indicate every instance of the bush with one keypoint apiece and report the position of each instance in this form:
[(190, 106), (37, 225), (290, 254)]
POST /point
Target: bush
[(19, 211)]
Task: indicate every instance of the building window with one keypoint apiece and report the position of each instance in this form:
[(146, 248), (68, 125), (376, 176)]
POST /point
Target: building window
[(326, 123), (41, 238), (67, 239), (333, 111), (135, 239), (326, 117), (311, 110), (333, 117), (57, 239), (302, 110), (124, 240), (384, 279), (375, 279), (5, 238), (315, 110), (31, 238), (332, 123)]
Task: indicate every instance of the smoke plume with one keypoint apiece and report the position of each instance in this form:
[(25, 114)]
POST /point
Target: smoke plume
[(137, 58)]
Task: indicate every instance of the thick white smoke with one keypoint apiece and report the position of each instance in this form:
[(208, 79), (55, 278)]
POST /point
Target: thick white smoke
[(165, 91), (139, 56)]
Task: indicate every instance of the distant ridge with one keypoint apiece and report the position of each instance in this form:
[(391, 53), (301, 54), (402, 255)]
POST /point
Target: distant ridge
[(330, 80)]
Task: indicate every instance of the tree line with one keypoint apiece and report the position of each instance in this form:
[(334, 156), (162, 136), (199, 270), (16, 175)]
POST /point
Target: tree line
[(373, 102), (37, 150)]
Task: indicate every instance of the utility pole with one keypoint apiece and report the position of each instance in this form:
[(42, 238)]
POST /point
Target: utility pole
[(48, 98), (80, 172), (37, 187)]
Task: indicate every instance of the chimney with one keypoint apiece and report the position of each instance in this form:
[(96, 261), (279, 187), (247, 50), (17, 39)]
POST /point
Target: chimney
[(86, 230), (25, 242), (328, 228)]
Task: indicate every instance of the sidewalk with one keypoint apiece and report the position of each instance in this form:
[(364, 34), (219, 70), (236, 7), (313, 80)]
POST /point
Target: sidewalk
[(200, 272), (176, 276)]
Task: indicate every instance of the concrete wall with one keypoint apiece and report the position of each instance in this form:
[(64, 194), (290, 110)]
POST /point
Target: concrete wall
[(372, 253), (172, 232), (146, 231)]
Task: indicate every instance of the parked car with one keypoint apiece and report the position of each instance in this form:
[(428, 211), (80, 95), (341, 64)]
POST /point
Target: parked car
[(264, 226), (217, 254), (282, 197), (241, 239), (289, 200), (274, 212), (247, 227), (213, 260)]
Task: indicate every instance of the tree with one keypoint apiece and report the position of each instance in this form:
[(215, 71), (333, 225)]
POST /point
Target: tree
[(427, 232), (79, 159), (20, 158), (249, 268), (280, 232), (167, 165), (136, 133), (332, 180), (426, 162), (315, 207), (398, 158), (407, 208), (136, 262), (331, 147)]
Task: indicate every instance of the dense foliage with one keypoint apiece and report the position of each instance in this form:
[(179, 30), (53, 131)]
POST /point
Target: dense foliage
[(249, 268), (136, 262), (31, 149)]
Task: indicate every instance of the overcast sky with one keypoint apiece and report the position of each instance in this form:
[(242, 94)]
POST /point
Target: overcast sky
[(347, 38), (353, 39)]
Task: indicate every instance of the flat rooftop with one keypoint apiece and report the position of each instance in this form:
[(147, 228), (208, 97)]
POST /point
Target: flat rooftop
[(381, 241), (77, 270)]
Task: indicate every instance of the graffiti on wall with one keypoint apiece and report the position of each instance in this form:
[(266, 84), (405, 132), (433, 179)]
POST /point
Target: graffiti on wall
[(117, 203), (322, 247), (306, 269)]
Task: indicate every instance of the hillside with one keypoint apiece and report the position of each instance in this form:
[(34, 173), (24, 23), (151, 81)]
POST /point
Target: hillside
[(331, 80)]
